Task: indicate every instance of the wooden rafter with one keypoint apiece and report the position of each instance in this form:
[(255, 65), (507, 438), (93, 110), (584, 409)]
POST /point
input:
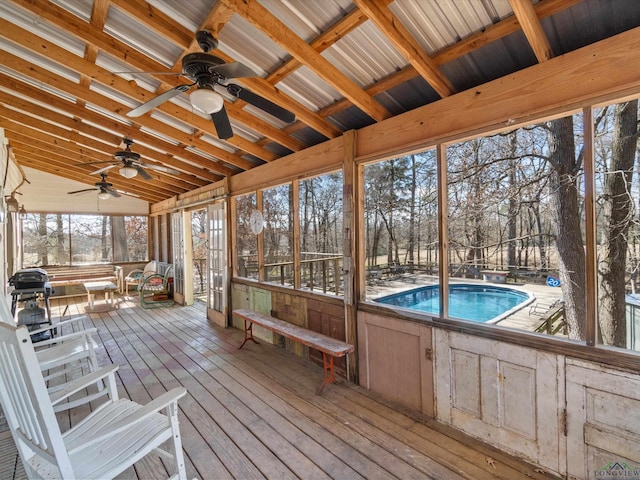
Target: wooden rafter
[(262, 19), (379, 14), (89, 113), (526, 15)]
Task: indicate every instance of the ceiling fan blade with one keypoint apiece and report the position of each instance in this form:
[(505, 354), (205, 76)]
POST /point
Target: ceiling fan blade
[(223, 125), (82, 191), (159, 168), (113, 193), (233, 70), (104, 169), (142, 172), (261, 102), (159, 100)]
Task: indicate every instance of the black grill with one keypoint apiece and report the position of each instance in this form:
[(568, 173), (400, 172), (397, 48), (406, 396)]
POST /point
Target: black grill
[(29, 278)]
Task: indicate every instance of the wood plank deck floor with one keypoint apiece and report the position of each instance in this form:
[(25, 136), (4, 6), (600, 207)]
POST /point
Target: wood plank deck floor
[(253, 413)]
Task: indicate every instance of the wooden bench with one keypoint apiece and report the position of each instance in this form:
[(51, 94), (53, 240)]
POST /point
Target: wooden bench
[(66, 276), (330, 347)]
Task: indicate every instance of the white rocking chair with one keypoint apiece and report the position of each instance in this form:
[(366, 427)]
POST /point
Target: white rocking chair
[(105, 443), (68, 356)]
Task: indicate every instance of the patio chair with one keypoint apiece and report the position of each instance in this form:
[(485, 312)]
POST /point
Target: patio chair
[(155, 289), (135, 277), (105, 443), (68, 356), (541, 309), (65, 356)]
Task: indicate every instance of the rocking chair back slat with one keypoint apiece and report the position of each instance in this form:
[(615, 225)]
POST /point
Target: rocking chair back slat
[(26, 401)]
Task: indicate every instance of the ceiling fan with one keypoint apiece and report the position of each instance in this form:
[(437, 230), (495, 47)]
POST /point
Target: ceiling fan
[(105, 189), (131, 164), (207, 71)]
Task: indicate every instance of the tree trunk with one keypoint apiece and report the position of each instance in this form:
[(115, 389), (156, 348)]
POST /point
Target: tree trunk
[(60, 236), (565, 210), (43, 240), (119, 235), (412, 212), (514, 206), (616, 220)]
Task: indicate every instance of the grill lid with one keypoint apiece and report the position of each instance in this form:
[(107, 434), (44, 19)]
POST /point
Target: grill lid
[(29, 278)]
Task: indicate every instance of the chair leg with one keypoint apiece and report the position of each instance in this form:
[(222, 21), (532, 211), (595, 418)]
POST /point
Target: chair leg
[(172, 413)]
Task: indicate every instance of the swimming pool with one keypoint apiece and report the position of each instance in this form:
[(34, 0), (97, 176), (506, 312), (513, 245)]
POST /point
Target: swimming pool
[(478, 303)]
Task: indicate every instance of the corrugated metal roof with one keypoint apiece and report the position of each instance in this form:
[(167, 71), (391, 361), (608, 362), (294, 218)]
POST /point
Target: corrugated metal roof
[(308, 19), (141, 38), (189, 13), (365, 55), (34, 24)]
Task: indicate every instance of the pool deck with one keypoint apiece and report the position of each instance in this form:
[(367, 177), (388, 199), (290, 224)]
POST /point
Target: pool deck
[(521, 319)]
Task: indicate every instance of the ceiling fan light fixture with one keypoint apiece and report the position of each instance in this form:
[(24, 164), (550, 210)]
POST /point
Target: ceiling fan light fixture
[(206, 100), (104, 195), (128, 171)]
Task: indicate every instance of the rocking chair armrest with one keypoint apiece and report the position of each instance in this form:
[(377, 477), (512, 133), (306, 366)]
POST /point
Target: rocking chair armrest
[(85, 381), (88, 332), (59, 324), (154, 406)]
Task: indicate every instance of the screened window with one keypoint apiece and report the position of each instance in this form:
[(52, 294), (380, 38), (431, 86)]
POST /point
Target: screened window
[(61, 239), (298, 241), (321, 226), (515, 220), (401, 222), (247, 240), (278, 235), (617, 233)]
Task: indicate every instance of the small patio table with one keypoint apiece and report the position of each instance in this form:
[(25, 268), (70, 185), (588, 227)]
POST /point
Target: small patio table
[(93, 288)]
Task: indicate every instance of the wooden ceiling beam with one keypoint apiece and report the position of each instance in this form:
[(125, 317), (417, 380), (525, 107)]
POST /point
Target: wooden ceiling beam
[(271, 26), (36, 140), (108, 104), (28, 153), (112, 142), (532, 28), (465, 46), (154, 18), (88, 33), (326, 39), (84, 67), (13, 120), (378, 12), (82, 116)]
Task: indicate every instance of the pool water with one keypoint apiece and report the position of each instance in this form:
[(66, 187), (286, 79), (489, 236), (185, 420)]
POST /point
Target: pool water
[(478, 303)]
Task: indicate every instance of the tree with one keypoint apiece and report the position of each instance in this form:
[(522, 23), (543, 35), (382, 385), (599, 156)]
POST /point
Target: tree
[(565, 210), (118, 230), (617, 214)]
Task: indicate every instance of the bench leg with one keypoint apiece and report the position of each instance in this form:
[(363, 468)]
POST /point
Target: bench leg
[(329, 372), (248, 333)]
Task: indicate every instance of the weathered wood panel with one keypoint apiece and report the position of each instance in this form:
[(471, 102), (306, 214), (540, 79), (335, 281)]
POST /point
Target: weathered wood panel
[(395, 360), (603, 423), (504, 394), (253, 413)]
